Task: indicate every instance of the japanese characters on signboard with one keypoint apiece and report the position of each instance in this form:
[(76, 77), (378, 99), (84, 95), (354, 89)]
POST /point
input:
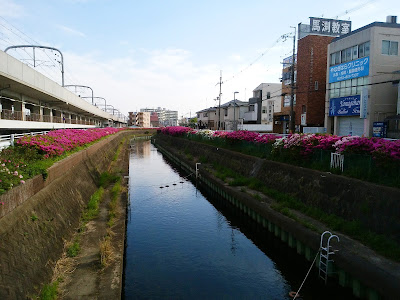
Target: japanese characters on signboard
[(288, 61), (352, 69), (344, 106), (379, 129), (364, 103), (329, 26)]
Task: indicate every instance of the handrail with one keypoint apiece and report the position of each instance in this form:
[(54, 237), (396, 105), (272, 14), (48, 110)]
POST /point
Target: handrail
[(7, 140)]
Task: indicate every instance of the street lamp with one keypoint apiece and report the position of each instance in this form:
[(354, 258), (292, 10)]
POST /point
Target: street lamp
[(234, 111)]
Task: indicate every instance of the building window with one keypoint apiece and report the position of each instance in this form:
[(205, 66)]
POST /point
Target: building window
[(355, 52), (264, 109), (316, 85), (366, 49), (347, 87), (303, 109), (349, 54), (268, 95), (251, 108), (390, 47)]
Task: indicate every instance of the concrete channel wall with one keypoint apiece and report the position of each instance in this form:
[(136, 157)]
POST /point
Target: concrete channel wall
[(39, 216), (369, 275)]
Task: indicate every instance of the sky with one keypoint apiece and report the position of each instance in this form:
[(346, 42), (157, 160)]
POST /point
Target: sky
[(168, 53)]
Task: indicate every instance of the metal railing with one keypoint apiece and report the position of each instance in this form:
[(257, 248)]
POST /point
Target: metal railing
[(33, 117), (7, 140), (8, 114)]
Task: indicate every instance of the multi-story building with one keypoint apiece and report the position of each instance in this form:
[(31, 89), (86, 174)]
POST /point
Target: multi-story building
[(154, 122), (140, 119), (165, 117), (261, 107), (311, 78), (281, 117), (232, 114), (364, 66), (207, 118)]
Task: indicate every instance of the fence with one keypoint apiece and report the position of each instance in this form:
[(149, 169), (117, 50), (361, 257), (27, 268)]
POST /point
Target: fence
[(9, 139)]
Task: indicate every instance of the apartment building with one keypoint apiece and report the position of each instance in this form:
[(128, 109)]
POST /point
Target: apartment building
[(166, 117), (140, 119)]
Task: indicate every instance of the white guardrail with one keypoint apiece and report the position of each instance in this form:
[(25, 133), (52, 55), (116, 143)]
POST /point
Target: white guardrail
[(9, 139)]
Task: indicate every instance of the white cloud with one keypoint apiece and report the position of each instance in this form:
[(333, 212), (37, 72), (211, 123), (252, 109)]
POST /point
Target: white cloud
[(9, 9), (235, 57), (71, 31), (167, 78)]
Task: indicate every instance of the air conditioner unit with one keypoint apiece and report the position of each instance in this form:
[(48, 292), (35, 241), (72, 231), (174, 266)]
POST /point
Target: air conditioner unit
[(277, 122)]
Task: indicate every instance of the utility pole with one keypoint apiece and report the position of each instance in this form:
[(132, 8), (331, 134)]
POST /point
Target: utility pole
[(291, 117), (219, 105)]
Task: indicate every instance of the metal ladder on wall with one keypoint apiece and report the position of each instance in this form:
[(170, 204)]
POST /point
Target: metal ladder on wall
[(326, 252)]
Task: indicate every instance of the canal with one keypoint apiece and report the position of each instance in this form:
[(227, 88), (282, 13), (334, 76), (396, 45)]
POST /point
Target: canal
[(182, 243)]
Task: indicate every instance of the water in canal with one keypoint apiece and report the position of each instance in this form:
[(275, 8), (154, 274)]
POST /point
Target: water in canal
[(183, 244)]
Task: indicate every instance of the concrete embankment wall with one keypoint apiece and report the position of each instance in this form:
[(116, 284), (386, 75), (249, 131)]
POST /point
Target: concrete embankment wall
[(376, 207), (369, 275), (39, 216)]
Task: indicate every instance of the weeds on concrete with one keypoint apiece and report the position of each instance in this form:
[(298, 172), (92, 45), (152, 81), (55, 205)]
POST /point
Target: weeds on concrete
[(121, 143), (92, 209), (106, 251), (49, 291), (74, 248), (112, 206), (285, 202)]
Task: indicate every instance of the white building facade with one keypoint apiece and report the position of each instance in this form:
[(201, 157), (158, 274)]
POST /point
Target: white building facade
[(362, 70)]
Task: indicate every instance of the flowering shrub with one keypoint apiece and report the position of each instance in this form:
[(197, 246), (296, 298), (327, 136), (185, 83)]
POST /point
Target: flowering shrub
[(58, 141), (304, 144), (176, 130), (29, 156)]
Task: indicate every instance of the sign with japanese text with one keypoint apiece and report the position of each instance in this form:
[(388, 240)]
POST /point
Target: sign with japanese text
[(379, 129), (329, 26), (344, 106), (352, 69), (364, 103), (288, 61)]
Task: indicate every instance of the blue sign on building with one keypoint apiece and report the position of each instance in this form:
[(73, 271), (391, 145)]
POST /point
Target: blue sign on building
[(352, 69), (379, 129), (344, 106)]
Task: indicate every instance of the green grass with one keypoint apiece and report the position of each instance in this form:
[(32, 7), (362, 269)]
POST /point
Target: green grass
[(92, 209), (285, 203), (74, 249), (49, 291), (121, 144), (107, 178), (112, 206)]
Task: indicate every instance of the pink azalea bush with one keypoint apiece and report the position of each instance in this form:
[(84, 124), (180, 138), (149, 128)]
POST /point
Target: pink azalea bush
[(305, 144), (58, 141), (28, 157), (176, 130)]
